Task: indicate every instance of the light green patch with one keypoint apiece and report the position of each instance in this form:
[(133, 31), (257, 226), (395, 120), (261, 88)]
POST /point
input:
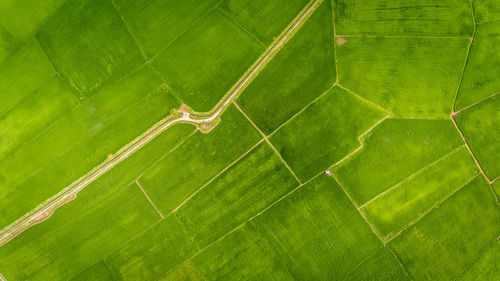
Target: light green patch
[(409, 76), (481, 73), (22, 19), (23, 73), (242, 255), (317, 232), (177, 176), (480, 126), (20, 124), (157, 23), (299, 73), (325, 132), (203, 64), (381, 266), (184, 272), (486, 10), (89, 45), (486, 268), (447, 240), (405, 201), (393, 151), (406, 17), (264, 19)]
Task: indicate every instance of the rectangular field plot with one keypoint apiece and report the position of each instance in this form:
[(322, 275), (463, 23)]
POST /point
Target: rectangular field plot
[(264, 19), (203, 64), (325, 132), (233, 198), (449, 238), (76, 144), (423, 17), (242, 255), (393, 151), (89, 45), (480, 79), (486, 267), (294, 77), (409, 76), (404, 202), (198, 160), (106, 214), (317, 232), (158, 23), (23, 73), (98, 271), (380, 266), (480, 125), (183, 272)]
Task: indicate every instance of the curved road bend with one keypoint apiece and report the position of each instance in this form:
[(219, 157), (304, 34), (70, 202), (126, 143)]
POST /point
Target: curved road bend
[(70, 192)]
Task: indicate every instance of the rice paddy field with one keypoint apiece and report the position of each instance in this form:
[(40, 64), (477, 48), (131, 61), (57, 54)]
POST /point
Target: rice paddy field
[(249, 140)]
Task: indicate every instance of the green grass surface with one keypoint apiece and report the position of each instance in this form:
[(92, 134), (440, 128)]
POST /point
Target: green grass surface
[(104, 215), (486, 10), (481, 73), (486, 267), (409, 76), (22, 74), (89, 45), (295, 77), (380, 266), (52, 100), (317, 233), (203, 64), (185, 271), (404, 202), (242, 255), (424, 17), (393, 151), (158, 23), (452, 235), (325, 132), (480, 126), (198, 160), (264, 19)]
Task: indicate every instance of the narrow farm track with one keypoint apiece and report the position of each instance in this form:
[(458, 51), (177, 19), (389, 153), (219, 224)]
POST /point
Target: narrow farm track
[(69, 193)]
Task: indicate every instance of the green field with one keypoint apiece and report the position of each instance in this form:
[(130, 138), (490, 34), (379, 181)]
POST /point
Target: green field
[(249, 140)]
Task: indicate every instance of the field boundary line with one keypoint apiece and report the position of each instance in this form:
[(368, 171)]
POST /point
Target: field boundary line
[(466, 57), (216, 176), (295, 115), (400, 262), (2, 278), (269, 143), (361, 140), (403, 36), (366, 100), (132, 35), (195, 22), (154, 163), (354, 268), (412, 222), (72, 147), (374, 230), (196, 269), (233, 20), (415, 174), (149, 199), (247, 221), (474, 104), (478, 257), (470, 150)]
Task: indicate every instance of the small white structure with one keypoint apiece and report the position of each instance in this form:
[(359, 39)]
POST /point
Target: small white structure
[(328, 172)]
